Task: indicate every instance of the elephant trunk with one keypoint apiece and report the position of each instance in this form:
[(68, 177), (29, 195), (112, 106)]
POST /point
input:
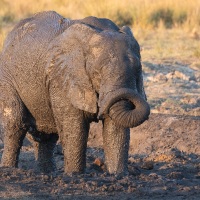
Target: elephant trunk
[(126, 108)]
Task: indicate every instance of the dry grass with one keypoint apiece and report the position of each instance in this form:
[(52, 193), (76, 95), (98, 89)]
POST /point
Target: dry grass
[(168, 44), (151, 19), (141, 12)]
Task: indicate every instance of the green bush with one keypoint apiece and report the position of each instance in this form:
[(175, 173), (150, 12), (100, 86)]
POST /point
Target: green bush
[(168, 17), (5, 15), (164, 15), (181, 18), (123, 18), (7, 18)]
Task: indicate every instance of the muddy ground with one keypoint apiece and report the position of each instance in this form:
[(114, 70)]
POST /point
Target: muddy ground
[(164, 157), (164, 163)]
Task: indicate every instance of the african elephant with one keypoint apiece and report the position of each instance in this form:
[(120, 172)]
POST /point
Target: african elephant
[(57, 76)]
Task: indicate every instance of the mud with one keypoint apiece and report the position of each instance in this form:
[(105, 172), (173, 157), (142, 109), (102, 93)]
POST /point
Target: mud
[(162, 172)]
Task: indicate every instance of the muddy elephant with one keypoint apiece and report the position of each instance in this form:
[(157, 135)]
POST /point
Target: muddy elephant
[(57, 76)]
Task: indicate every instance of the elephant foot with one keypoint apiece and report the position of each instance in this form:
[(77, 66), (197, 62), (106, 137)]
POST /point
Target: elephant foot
[(118, 172), (71, 174), (45, 162), (74, 168), (10, 156), (8, 162), (46, 167)]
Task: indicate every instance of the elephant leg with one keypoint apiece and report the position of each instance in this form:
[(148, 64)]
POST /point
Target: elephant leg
[(45, 152), (116, 145), (14, 129), (74, 141)]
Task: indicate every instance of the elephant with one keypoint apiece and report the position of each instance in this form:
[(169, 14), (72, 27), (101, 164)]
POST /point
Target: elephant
[(58, 75)]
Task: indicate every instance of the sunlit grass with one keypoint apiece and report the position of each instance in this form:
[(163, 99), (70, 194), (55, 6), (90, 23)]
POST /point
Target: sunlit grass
[(164, 25), (167, 44), (141, 12), (2, 38)]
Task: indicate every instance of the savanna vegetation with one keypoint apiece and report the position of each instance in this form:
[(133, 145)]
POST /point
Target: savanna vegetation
[(138, 13), (145, 13), (174, 25)]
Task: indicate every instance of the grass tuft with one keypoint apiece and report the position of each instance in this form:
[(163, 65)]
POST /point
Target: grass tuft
[(123, 18), (197, 53), (164, 15)]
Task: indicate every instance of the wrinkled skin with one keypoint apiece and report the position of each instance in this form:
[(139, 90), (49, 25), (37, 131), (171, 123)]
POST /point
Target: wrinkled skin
[(59, 75)]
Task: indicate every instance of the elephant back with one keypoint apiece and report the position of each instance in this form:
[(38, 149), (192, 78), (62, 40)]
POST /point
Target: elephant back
[(100, 23), (26, 45), (34, 33)]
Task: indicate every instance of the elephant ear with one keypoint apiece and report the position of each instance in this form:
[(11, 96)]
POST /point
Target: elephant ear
[(135, 45), (136, 51), (127, 30), (68, 63)]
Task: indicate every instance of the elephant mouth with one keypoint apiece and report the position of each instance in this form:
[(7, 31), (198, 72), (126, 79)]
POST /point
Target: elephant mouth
[(126, 107)]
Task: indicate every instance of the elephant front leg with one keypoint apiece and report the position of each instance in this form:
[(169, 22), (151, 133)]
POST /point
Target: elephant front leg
[(13, 115), (74, 142), (116, 145), (12, 145)]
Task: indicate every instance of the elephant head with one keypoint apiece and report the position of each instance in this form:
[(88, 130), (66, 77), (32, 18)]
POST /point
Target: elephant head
[(101, 72)]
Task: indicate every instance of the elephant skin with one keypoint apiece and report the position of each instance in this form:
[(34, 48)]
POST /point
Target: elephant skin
[(57, 76)]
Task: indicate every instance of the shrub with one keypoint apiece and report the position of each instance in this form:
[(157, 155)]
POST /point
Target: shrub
[(123, 18), (5, 14), (181, 18), (197, 53), (7, 18), (164, 15)]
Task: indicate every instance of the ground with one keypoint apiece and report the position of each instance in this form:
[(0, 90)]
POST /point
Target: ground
[(164, 163), (164, 156)]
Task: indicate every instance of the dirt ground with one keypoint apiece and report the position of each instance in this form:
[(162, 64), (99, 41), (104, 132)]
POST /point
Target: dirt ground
[(164, 156), (164, 163)]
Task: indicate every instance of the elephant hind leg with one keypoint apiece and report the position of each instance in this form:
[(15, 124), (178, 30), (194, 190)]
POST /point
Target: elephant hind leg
[(44, 145), (14, 121), (44, 151)]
